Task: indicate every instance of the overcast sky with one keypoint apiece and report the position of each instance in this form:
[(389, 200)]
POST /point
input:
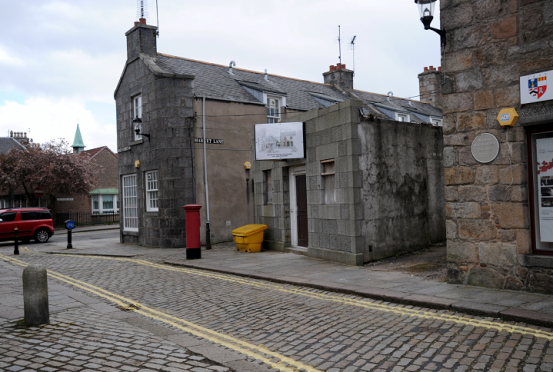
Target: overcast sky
[(60, 60)]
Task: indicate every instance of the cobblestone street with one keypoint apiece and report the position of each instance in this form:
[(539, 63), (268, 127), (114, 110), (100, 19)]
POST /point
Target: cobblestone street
[(276, 326)]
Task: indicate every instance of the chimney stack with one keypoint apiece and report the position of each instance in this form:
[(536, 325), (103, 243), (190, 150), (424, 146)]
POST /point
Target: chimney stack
[(430, 85), (142, 38), (339, 76)]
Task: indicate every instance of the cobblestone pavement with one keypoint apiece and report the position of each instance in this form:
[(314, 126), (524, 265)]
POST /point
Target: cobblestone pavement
[(292, 328)]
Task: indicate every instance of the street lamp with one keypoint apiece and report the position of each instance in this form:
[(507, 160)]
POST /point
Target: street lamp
[(137, 123), (426, 10)]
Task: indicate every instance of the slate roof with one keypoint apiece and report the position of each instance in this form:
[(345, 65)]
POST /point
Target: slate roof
[(93, 152), (8, 143), (215, 82)]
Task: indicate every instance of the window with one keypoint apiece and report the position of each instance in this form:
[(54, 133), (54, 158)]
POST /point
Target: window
[(8, 217), (328, 174), (43, 216), (267, 187), (540, 142), (28, 216), (402, 117), (273, 110), (151, 192), (130, 203), (436, 122), (105, 203), (137, 113)]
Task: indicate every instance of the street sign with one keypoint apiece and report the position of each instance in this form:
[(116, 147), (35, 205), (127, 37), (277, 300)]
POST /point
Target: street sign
[(39, 192), (69, 225), (507, 117)]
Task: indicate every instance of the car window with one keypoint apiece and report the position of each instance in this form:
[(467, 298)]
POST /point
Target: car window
[(28, 216), (43, 216), (8, 217)]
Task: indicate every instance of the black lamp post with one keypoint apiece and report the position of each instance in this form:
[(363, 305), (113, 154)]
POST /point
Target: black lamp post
[(426, 10), (136, 123)]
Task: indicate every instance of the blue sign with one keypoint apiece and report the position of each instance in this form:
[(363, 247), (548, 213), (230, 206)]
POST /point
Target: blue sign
[(505, 117), (69, 225)]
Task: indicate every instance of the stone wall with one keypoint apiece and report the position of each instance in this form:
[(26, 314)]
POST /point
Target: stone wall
[(490, 45), (166, 104), (388, 181), (402, 187)]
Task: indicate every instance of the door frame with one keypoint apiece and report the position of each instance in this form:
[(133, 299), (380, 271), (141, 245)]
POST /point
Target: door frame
[(293, 172)]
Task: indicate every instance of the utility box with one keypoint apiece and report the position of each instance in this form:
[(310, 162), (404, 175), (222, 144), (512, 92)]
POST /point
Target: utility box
[(249, 238)]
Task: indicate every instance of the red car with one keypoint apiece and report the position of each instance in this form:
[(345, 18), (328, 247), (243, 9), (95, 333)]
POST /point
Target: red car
[(31, 223)]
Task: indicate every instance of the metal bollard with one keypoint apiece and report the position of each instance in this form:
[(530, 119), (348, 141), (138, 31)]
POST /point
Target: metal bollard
[(35, 296), (69, 245), (16, 244)]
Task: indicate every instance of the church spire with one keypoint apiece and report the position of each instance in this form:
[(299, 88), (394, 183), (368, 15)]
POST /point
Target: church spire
[(78, 145)]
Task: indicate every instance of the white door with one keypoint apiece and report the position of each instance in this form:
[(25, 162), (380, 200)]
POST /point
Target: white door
[(294, 171)]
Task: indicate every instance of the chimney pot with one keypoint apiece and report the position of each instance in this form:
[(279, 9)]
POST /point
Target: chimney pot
[(136, 23), (440, 68), (431, 68), (332, 68), (425, 69), (142, 20)]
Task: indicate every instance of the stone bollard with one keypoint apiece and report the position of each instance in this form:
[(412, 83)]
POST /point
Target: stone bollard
[(35, 295)]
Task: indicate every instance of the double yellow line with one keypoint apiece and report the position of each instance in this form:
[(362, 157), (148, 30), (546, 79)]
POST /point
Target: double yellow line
[(272, 359)]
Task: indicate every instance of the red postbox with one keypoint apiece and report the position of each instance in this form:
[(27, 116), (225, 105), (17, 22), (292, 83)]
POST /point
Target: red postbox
[(193, 222)]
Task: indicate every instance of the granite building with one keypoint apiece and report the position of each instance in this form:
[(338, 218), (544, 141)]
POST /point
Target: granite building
[(171, 99), (499, 207)]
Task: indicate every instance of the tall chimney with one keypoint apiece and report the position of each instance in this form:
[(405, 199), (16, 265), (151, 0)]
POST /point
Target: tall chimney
[(141, 39), (430, 86), (339, 76)]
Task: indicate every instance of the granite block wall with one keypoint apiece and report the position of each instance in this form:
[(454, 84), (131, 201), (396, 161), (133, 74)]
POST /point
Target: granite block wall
[(491, 44)]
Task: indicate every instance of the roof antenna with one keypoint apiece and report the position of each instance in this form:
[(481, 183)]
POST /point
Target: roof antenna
[(352, 45), (142, 9), (340, 45), (157, 14)]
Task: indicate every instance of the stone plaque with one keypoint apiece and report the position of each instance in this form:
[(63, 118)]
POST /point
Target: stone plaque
[(485, 148)]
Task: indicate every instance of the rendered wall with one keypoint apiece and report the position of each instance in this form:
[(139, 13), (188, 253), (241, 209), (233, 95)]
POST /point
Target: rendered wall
[(490, 45)]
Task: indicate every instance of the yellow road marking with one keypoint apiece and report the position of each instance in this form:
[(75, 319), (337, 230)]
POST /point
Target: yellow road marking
[(343, 300), (257, 352)]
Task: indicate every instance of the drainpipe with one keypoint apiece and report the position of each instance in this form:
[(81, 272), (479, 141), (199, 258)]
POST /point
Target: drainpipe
[(207, 230), (192, 150)]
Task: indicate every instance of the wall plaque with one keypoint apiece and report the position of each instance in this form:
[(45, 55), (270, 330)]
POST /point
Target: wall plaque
[(485, 148)]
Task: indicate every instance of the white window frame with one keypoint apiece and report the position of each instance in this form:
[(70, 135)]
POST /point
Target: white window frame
[(152, 191), (436, 122), (100, 209), (406, 117), (130, 203), (328, 174), (281, 102), (137, 113)]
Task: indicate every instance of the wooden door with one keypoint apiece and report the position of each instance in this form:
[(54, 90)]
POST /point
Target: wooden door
[(301, 197)]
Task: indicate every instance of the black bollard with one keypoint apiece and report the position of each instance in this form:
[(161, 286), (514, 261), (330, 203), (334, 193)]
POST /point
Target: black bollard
[(16, 244), (69, 245)]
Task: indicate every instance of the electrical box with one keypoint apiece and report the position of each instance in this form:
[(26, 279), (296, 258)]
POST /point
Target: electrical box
[(507, 117)]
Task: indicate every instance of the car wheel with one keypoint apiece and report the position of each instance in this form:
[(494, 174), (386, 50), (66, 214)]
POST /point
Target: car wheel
[(42, 236)]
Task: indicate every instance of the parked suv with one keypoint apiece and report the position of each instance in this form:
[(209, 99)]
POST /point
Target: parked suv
[(30, 222)]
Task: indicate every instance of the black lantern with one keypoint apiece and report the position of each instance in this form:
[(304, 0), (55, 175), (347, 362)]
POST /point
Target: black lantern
[(426, 11), (137, 123)]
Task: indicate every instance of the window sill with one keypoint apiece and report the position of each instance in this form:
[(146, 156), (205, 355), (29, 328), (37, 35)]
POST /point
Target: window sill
[(151, 213), (530, 260), (137, 142), (130, 233)]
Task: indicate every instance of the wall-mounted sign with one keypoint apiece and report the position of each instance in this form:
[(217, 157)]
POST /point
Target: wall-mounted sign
[(507, 117), (485, 148), (128, 148), (279, 141), (64, 199), (208, 141), (533, 88)]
